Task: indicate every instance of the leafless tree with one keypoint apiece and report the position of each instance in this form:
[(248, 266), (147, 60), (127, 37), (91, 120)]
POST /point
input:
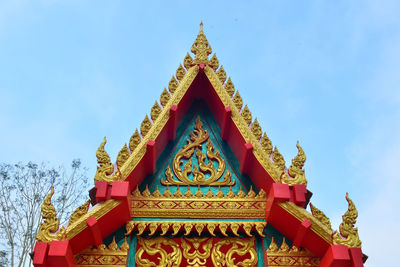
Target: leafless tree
[(22, 190)]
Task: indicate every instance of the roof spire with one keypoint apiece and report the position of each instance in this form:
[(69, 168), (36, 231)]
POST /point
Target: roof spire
[(201, 48)]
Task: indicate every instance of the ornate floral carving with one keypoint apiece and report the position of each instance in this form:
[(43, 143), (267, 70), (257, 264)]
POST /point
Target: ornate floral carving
[(238, 246), (237, 101), (123, 156), (180, 72), (172, 85), (214, 62), (246, 114), (164, 98), (49, 227), (154, 247), (145, 126), (256, 129), (266, 144), (134, 141), (201, 48), (105, 167), (348, 233), (197, 138), (155, 111), (188, 61), (79, 212), (229, 87), (296, 169), (279, 161), (221, 74), (320, 216)]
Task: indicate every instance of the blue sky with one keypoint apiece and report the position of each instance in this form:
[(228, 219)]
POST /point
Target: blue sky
[(325, 73)]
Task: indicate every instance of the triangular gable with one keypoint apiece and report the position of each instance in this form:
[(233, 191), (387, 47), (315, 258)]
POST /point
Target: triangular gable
[(286, 188)]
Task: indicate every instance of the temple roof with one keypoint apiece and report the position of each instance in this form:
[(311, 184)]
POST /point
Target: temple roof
[(204, 78)]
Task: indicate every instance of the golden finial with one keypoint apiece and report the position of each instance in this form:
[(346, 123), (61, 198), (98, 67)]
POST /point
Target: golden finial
[(295, 170), (256, 129), (178, 193), (79, 212), (230, 193), (278, 160), (273, 247), (221, 74), (145, 126), (229, 87), (134, 141), (214, 62), (123, 155), (251, 193), (261, 194), (209, 192), (241, 193), (188, 192), (164, 98), (146, 192), (124, 246), (199, 193), (172, 85), (237, 100), (180, 72), (167, 192), (266, 144), (49, 227), (156, 192), (188, 61), (136, 192), (320, 216), (105, 167), (201, 48), (348, 233), (113, 245), (219, 192), (246, 114), (155, 111)]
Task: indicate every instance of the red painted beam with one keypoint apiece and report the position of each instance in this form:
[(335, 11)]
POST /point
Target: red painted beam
[(336, 256), (226, 123), (356, 256), (301, 233), (60, 254), (299, 194), (172, 122), (95, 231), (40, 254), (247, 158)]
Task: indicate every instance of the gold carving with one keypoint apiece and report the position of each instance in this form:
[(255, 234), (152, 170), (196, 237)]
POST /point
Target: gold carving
[(296, 169), (50, 226), (155, 111), (103, 255), (106, 168), (321, 216), (165, 97), (348, 233), (188, 61), (134, 141), (224, 227), (286, 256), (256, 129), (180, 72), (201, 48), (78, 213), (145, 126), (153, 247), (196, 258), (229, 87), (173, 84), (237, 101), (214, 62), (197, 138), (246, 114), (123, 156), (279, 161), (221, 74), (240, 247), (266, 144)]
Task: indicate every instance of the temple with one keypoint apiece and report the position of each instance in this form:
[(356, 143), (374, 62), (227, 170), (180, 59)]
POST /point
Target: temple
[(199, 184)]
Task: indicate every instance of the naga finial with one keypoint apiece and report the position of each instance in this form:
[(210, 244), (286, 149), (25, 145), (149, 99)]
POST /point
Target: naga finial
[(201, 48), (50, 226), (105, 167), (296, 169), (348, 233)]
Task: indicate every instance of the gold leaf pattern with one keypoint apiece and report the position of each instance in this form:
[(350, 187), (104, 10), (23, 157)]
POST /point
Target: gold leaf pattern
[(347, 229), (237, 100), (295, 170), (155, 111), (79, 212), (145, 126), (221, 75), (164, 98), (214, 62), (320, 215), (105, 167), (188, 61), (172, 85), (266, 144), (229, 87), (246, 114), (201, 48), (123, 156), (279, 161), (180, 73), (134, 141), (256, 129)]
